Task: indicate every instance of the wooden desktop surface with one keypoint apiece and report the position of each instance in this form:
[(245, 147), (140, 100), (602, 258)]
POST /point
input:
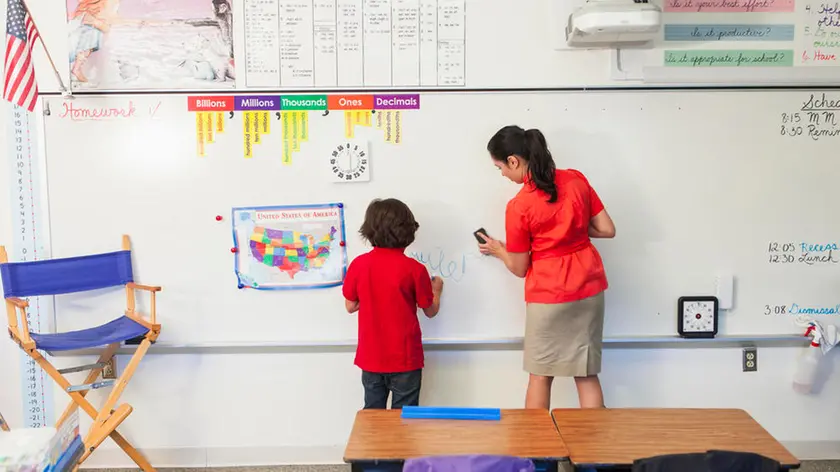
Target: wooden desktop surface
[(382, 435), (619, 436)]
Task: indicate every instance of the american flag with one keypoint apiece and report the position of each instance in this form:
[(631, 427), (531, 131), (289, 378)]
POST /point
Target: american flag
[(19, 85)]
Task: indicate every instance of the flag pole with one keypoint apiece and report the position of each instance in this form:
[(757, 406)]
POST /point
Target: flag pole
[(41, 38)]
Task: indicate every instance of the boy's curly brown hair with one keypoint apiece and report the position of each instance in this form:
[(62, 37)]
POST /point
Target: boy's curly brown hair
[(389, 223)]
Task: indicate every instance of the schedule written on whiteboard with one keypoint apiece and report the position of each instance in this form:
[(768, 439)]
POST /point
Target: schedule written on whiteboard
[(355, 43)]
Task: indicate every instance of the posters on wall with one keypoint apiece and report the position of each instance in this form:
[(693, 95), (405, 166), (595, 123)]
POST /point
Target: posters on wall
[(150, 44), (290, 115), (751, 33), (288, 247)]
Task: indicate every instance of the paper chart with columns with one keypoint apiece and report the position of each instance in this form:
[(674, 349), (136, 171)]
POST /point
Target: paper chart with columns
[(355, 43)]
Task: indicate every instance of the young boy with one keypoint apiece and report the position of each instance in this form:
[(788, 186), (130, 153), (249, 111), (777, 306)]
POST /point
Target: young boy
[(386, 287)]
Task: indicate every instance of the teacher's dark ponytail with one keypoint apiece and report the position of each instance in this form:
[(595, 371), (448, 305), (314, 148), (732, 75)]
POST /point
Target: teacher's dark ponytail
[(531, 147)]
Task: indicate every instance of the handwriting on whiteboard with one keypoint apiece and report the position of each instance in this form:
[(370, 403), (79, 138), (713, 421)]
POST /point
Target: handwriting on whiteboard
[(441, 265), (75, 112), (798, 309), (729, 32), (81, 113), (807, 253), (816, 118), (729, 6), (820, 23)]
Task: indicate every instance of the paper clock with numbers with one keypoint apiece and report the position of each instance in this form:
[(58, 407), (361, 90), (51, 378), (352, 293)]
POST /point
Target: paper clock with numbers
[(697, 317), (349, 161)]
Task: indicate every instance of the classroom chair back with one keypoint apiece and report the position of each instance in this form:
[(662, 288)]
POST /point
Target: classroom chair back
[(710, 461), (83, 274)]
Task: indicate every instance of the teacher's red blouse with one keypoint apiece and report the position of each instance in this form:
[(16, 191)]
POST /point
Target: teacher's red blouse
[(565, 266)]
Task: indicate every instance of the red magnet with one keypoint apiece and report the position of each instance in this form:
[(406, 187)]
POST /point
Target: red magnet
[(218, 217), (341, 243), (233, 249)]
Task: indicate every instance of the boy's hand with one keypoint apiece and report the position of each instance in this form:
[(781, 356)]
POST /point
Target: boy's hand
[(437, 285)]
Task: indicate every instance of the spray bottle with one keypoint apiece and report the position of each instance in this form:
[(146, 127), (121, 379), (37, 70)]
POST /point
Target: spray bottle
[(806, 369), (822, 341)]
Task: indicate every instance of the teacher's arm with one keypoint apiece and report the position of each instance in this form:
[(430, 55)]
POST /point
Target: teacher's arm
[(600, 223), (601, 226), (516, 262), (516, 252)]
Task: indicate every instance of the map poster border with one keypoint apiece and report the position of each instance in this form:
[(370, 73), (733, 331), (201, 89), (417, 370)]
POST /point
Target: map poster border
[(317, 206)]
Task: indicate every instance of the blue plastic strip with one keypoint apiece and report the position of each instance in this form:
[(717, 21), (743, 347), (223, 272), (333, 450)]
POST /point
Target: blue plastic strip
[(451, 413), (242, 281), (67, 275)]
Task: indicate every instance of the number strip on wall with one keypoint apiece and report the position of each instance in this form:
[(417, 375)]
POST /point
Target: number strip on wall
[(29, 244)]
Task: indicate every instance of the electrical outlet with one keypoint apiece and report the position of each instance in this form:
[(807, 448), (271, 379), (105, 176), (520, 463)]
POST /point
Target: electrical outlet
[(110, 370), (750, 360)]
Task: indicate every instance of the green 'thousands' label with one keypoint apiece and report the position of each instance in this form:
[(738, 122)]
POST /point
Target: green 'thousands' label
[(303, 102)]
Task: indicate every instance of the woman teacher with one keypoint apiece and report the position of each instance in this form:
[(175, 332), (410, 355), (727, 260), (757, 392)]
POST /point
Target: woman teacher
[(548, 227)]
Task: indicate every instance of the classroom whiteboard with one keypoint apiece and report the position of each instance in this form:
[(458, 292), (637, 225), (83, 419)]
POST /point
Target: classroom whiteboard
[(698, 183)]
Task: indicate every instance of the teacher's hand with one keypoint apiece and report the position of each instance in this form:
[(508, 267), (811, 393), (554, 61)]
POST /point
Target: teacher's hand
[(491, 246)]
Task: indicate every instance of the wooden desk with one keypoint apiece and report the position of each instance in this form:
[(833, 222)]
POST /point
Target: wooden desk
[(382, 436), (616, 437)]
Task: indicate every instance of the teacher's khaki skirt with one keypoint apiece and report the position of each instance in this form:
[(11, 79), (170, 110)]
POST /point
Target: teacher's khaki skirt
[(564, 339)]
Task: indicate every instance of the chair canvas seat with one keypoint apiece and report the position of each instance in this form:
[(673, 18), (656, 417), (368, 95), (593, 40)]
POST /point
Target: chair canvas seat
[(118, 330)]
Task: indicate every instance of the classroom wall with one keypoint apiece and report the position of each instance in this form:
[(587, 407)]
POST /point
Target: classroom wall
[(237, 409)]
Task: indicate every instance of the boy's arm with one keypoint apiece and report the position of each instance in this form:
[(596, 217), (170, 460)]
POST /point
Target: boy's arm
[(351, 306), (432, 310), (348, 289), (428, 293)]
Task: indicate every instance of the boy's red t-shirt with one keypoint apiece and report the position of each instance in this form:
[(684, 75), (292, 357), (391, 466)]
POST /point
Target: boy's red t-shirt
[(389, 287), (565, 266)]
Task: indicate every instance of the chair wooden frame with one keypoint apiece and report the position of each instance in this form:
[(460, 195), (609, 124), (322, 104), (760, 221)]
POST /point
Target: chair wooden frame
[(107, 418)]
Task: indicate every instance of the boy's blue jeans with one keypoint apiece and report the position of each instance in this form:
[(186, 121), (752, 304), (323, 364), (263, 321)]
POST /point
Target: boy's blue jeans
[(404, 387)]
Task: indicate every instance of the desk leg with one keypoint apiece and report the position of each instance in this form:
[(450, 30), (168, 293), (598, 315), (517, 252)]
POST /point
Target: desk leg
[(376, 466), (545, 466)]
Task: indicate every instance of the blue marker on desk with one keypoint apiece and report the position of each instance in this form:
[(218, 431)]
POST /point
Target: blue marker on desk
[(451, 413)]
